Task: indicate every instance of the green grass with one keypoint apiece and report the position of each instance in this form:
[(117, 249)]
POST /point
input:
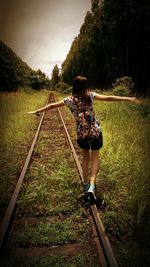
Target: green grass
[(123, 178), (16, 133), (54, 231), (55, 261), (50, 187), (124, 157)]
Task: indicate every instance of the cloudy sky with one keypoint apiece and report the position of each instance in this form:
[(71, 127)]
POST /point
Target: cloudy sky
[(41, 31)]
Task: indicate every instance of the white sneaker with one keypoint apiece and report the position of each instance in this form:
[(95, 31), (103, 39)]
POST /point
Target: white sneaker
[(91, 192)]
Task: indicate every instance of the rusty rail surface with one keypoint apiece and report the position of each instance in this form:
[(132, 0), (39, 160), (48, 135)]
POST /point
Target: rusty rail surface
[(11, 206)]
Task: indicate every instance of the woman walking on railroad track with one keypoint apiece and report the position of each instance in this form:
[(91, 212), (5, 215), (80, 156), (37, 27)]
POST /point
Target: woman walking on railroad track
[(89, 132)]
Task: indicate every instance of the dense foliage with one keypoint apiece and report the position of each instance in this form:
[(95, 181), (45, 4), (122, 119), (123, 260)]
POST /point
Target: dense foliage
[(113, 42), (55, 76), (15, 73)]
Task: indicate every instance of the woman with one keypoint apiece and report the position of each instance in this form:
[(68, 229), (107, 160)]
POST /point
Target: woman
[(89, 133)]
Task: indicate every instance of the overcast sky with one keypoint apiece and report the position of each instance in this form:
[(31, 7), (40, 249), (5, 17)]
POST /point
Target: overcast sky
[(41, 31)]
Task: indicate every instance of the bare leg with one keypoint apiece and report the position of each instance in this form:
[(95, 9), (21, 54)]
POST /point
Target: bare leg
[(85, 164), (94, 165), (94, 171)]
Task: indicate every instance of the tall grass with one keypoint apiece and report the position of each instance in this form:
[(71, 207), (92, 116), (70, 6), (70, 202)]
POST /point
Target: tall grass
[(123, 179), (125, 156), (16, 132)]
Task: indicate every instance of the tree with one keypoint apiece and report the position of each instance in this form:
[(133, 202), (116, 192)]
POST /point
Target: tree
[(113, 42), (15, 73), (55, 76)]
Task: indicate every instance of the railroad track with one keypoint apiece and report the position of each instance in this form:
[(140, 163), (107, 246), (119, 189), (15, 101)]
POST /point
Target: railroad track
[(53, 138)]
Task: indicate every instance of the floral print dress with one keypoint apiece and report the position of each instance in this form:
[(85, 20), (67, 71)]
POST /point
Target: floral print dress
[(83, 112)]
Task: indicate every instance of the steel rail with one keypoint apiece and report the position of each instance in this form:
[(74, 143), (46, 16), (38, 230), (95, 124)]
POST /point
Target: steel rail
[(104, 241), (11, 206)]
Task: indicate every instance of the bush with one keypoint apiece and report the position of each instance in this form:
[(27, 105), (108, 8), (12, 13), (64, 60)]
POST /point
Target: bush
[(121, 91), (68, 90), (123, 86), (63, 87)]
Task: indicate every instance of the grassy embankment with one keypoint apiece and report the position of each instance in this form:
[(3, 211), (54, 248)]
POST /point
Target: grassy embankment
[(16, 134), (123, 179)]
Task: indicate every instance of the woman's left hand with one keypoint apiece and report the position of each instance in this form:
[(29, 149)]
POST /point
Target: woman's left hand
[(135, 100)]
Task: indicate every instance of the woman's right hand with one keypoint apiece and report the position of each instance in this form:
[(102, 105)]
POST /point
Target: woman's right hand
[(31, 112)]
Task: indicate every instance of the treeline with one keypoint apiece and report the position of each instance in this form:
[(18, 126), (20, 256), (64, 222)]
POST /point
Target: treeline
[(15, 73), (113, 42)]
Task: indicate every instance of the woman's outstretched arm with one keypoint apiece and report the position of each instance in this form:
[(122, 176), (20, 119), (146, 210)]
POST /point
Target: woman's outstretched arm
[(47, 107), (116, 98)]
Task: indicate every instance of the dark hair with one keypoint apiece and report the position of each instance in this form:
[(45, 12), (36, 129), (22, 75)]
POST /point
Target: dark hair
[(80, 86)]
